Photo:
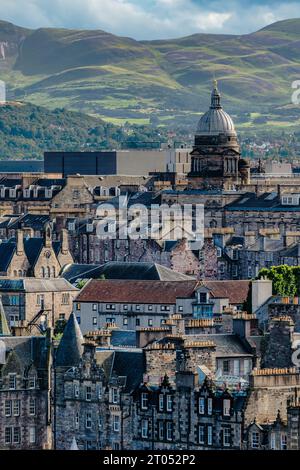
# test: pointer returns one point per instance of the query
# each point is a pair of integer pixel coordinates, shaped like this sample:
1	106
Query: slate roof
70	348
235	291
34	221
226	344
30	349
266	201
7	250
30	284
121	291
122	270
127	364
32	248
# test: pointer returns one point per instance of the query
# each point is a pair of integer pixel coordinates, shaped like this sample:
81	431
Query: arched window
20	273
53	271
42	271
48	270
15	273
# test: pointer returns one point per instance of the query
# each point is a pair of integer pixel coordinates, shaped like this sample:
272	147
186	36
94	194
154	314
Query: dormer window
226	407
12	381
144	401
32	382
26	193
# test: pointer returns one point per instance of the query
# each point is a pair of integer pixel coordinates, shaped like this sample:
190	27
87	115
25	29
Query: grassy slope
122	79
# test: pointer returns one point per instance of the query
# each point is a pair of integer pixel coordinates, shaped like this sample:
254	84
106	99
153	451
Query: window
99	391
144	401
61	317
77	420
88	420
8	407
247	366
161	402
138	307
12	381
150	308
78	320
226	407
255	440
226	367
76	390
236	367
32	435
88	393
145	428
201	406
125	321
65	299
115	395
169	403
169	431
165	308
17	404
203	297
32	406
78	306
95	321
160	430
8	435
40	300
110	307
116	423
95	307
249	271
201	434
226	437
137	322
180	308
209	435
150	322
31	381
100	422
125	307
283	442
17	435
234	271
209	406
273	441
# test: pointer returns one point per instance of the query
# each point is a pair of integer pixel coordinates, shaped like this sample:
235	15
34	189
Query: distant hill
26	131
121	79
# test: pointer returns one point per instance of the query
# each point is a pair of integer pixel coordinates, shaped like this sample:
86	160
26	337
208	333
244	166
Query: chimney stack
20	242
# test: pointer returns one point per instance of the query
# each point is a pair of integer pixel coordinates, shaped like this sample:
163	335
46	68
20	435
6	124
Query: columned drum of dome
216	152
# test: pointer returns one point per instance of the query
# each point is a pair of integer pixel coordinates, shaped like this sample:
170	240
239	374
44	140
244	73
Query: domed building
215	158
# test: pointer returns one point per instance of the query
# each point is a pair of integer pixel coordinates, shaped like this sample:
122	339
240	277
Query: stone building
34	257
215	158
30	304
25	406
94	388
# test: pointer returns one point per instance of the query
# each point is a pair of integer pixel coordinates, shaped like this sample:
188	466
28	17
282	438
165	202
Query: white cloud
148	19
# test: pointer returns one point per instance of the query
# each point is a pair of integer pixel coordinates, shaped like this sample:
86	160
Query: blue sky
150	19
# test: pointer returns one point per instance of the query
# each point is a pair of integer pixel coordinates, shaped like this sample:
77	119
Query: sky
150	19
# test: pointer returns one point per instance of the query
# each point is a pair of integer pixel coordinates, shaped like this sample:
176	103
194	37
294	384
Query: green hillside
26	131
121	79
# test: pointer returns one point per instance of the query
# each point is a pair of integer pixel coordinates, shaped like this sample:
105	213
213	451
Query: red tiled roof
120	291
235	291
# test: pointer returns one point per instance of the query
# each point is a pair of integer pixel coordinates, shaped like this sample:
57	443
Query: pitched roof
122	270
152	292
70	348
7	250
4	328
235	291
30	284
127	364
